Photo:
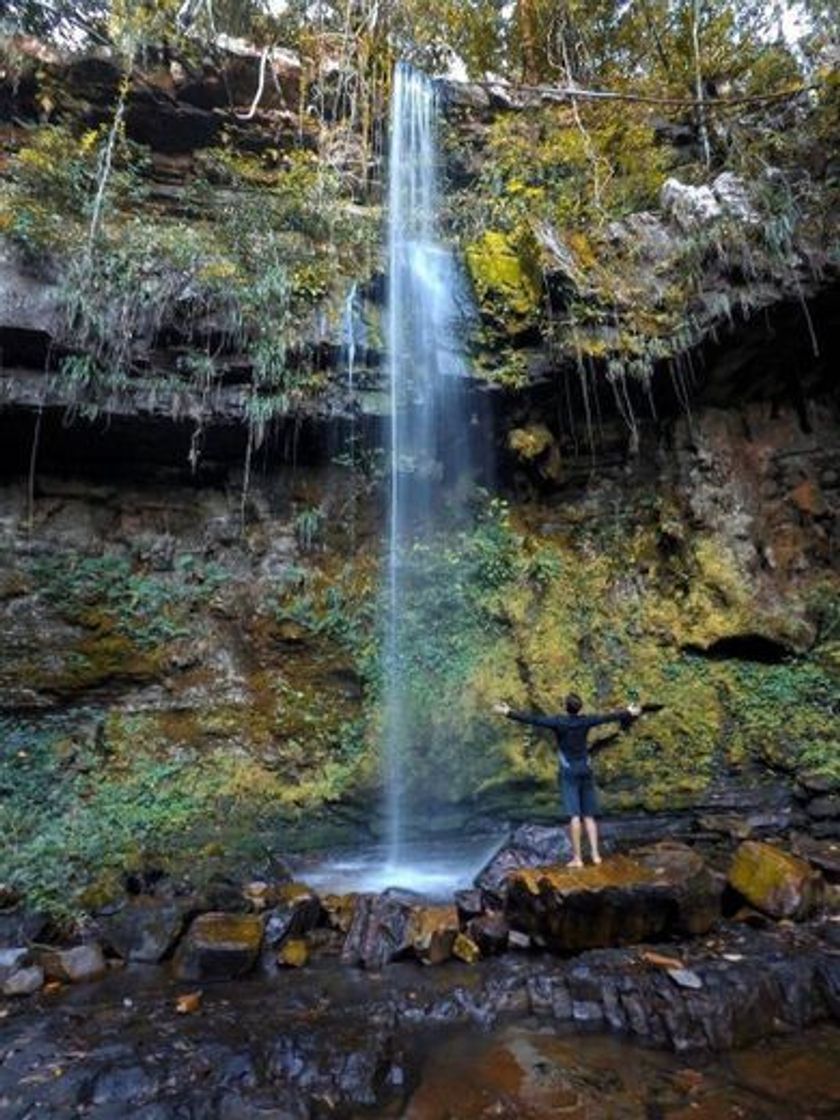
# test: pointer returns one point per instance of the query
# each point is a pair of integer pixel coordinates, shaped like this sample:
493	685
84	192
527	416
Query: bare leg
574	832
592	834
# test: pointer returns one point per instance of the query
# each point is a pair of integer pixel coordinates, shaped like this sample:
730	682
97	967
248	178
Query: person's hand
501	709
635	710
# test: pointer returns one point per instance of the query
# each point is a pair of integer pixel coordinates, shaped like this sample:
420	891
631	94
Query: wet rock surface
77	965
774	881
219	946
145	929
659	893
323	1034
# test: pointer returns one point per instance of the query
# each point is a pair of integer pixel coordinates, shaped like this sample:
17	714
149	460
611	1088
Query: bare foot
575	863
596	860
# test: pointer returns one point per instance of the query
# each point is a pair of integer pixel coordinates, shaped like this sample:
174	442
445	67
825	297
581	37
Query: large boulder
698	890
78	965
145	929
621	902
12	959
297	911
377	932
776	882
19	925
219	946
530	845
397	925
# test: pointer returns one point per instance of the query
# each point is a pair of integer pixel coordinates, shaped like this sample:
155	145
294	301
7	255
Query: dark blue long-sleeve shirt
571	732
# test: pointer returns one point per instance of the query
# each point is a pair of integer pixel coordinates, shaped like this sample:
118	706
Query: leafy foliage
147	607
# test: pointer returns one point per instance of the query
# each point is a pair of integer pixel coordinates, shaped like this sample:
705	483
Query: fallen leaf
188	1003
688	1080
661	961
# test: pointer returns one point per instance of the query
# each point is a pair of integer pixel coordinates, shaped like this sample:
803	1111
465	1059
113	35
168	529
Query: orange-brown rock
808	499
776	882
623	901
73	966
431	932
338	909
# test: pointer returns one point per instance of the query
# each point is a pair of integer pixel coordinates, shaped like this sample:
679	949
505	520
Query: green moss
504	270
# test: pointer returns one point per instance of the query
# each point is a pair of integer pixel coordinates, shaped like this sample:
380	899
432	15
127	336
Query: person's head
573	703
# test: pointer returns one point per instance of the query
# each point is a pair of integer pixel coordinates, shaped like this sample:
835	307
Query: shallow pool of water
433	869
524	1074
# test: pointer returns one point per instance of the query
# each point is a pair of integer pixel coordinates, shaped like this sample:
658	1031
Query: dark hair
573	703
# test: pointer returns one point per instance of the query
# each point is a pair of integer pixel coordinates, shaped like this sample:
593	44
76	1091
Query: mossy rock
219	946
775	882
506	271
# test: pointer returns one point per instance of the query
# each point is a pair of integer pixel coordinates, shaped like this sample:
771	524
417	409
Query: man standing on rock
580	797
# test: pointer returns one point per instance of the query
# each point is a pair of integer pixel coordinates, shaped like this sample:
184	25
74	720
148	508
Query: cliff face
192	500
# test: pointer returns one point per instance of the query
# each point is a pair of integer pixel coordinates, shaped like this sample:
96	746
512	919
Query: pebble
685	978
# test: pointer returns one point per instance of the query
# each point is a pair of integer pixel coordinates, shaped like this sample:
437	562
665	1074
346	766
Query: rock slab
774	881
145	930
219	946
621	902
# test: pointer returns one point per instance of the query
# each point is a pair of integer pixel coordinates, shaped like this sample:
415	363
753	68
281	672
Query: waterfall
349	338
432	462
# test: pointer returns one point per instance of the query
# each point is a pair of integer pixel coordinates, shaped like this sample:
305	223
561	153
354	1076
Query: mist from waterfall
434	463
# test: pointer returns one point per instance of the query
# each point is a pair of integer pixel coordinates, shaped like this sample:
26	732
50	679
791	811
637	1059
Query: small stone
465	949
294	953
685	978
23	981
517	940
259	894
808	499
11	960
8	895
688	1080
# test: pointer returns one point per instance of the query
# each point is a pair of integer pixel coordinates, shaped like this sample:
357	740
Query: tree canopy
649	44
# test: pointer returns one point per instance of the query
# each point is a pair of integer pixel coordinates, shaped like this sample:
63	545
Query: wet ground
409	1042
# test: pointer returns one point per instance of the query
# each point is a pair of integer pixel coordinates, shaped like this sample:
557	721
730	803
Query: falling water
432	461
349	338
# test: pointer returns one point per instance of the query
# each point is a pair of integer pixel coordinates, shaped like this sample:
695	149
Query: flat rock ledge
659	892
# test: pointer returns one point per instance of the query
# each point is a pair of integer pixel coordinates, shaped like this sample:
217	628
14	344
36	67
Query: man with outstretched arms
580	797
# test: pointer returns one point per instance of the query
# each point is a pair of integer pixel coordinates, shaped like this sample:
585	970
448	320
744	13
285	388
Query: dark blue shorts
580	798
